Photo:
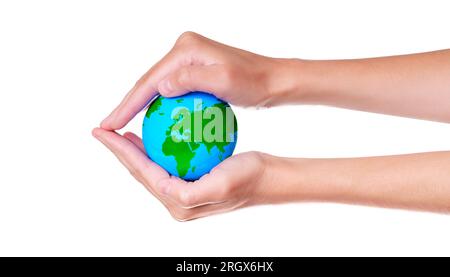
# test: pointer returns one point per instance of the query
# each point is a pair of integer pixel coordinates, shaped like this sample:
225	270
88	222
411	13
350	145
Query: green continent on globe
184	151
225	130
154	107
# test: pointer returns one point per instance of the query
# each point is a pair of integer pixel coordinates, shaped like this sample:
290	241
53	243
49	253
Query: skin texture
415	85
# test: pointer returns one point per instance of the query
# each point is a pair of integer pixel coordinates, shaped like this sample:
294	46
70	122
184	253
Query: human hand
198	63
246	79
383	181
227	187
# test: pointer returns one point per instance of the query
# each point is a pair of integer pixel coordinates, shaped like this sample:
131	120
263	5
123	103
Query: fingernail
97	136
94	133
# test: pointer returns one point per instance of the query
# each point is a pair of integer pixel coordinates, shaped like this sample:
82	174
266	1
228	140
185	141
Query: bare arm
415	181
416	85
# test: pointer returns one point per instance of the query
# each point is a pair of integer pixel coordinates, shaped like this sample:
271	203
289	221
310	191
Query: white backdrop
65	64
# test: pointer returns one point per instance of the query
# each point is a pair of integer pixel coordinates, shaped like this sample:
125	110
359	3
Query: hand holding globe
224	182
188	136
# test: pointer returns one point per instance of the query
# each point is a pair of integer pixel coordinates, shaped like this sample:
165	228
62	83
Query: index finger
143	91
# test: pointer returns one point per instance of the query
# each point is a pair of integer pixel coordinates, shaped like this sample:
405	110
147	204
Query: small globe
189	135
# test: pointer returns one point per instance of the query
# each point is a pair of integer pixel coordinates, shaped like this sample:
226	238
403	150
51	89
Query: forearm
415	181
416	85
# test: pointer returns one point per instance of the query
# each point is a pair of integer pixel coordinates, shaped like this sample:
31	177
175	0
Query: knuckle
186	199
180	216
187	37
227	187
229	74
140	81
216	170
183	77
255	155
258	158
136	172
176	216
143	174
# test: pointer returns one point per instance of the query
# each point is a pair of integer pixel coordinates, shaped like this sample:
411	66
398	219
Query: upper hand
197	63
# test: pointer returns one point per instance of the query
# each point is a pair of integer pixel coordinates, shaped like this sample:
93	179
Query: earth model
189	135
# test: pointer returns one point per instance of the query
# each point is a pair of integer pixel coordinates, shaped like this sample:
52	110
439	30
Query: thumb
208	78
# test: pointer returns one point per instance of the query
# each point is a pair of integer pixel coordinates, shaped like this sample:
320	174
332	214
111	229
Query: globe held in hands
190	134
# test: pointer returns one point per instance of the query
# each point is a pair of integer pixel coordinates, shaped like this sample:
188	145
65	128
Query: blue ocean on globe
190	134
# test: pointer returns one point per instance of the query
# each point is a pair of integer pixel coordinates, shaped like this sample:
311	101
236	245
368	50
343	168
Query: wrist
301	179
326	82
294	81
282	80
281	181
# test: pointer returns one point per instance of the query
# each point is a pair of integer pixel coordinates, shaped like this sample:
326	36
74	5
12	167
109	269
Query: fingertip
115	126
129	134
114	121
102	135
107	124
96	132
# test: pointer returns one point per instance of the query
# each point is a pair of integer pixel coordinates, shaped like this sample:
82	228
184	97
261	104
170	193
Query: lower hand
228	186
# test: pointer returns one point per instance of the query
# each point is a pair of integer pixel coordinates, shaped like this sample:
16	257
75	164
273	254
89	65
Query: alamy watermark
213	131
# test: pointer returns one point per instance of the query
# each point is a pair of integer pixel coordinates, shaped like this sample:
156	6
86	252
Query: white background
65	64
